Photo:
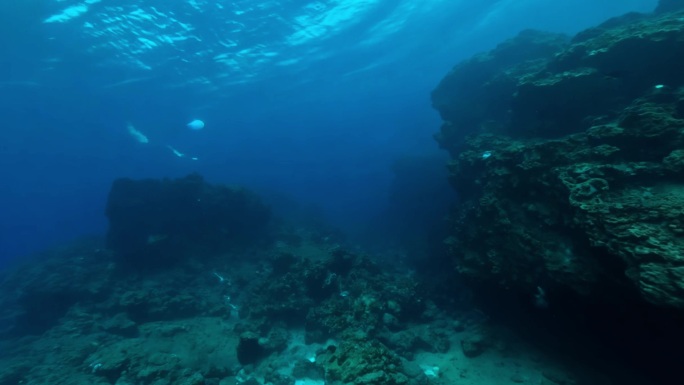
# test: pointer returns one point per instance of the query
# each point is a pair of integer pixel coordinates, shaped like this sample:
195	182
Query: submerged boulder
153	223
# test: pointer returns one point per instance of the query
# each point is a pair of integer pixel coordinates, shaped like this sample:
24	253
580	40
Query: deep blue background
325	133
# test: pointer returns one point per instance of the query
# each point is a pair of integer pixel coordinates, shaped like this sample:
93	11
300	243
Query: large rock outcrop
153	223
569	160
669	6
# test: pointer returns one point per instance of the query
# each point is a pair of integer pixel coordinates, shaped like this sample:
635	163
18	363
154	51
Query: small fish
176	152
137	135
196	125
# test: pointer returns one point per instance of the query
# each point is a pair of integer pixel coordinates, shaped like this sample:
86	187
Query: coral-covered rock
479	91
159	302
550	88
426	338
36	295
578	185
364	362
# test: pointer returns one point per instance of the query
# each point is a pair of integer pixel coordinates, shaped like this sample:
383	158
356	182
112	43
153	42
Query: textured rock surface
73	317
478	92
570	169
362	362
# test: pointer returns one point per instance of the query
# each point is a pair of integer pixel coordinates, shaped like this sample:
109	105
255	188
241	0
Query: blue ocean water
313	99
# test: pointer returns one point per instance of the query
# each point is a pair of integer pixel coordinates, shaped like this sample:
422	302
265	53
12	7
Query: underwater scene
342	192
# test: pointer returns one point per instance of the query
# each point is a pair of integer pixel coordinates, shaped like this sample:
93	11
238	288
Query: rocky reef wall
568	155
